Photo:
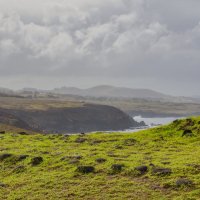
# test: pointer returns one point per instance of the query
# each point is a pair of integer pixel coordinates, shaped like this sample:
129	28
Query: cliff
86	118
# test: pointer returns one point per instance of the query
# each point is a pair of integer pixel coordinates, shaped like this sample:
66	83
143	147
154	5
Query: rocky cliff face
10	119
86	118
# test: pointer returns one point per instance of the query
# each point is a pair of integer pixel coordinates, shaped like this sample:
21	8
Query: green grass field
102	166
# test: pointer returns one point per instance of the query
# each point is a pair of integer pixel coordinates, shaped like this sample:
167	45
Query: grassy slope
127	105
36	104
170	108
58	179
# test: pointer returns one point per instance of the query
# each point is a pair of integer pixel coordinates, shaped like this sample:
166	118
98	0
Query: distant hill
6	91
101	91
111	91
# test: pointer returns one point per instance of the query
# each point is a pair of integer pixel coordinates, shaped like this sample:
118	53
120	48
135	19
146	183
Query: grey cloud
134	40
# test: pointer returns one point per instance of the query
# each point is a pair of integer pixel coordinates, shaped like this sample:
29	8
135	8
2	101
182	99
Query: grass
127	105
56	177
36	104
148	106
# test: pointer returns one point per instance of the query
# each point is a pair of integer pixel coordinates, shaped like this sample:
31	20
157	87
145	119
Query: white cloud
7	48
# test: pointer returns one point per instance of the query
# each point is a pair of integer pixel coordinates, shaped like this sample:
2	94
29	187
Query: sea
150	123
155	121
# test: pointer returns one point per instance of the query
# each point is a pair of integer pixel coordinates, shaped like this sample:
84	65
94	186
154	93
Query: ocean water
155	121
150	122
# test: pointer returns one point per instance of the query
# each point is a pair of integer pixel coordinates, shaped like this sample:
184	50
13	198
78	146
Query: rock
66	135
176	122
2	132
22	157
100	160
80	140
78	157
187	124
23	133
117	167
85	169
142	123
5	156
142	169
190	122
187	133
36	161
184	182
3	185
161	171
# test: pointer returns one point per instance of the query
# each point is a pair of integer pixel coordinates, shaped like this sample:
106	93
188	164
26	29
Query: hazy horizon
85	88
150	44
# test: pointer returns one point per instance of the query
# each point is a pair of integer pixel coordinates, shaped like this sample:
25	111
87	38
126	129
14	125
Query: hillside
143	102
54	116
148	108
111	91
160	163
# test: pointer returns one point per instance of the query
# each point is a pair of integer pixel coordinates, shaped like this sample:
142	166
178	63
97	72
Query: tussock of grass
104	166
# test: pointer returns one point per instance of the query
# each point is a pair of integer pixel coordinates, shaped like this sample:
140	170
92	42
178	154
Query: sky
152	44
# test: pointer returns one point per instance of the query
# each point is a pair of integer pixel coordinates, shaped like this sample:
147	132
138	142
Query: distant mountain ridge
105	91
6	91
111	91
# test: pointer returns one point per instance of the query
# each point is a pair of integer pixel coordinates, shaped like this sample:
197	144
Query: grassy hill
161	163
111	91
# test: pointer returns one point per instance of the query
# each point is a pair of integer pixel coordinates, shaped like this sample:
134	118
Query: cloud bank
136	43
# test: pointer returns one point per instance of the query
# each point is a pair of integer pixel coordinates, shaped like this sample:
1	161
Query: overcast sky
151	44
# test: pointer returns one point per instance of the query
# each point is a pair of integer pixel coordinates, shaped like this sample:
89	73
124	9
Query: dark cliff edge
87	118
9	119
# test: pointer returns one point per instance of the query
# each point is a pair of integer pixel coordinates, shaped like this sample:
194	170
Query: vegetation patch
161	171
142	169
153	164
183	182
5	156
85	169
117	168
36	161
